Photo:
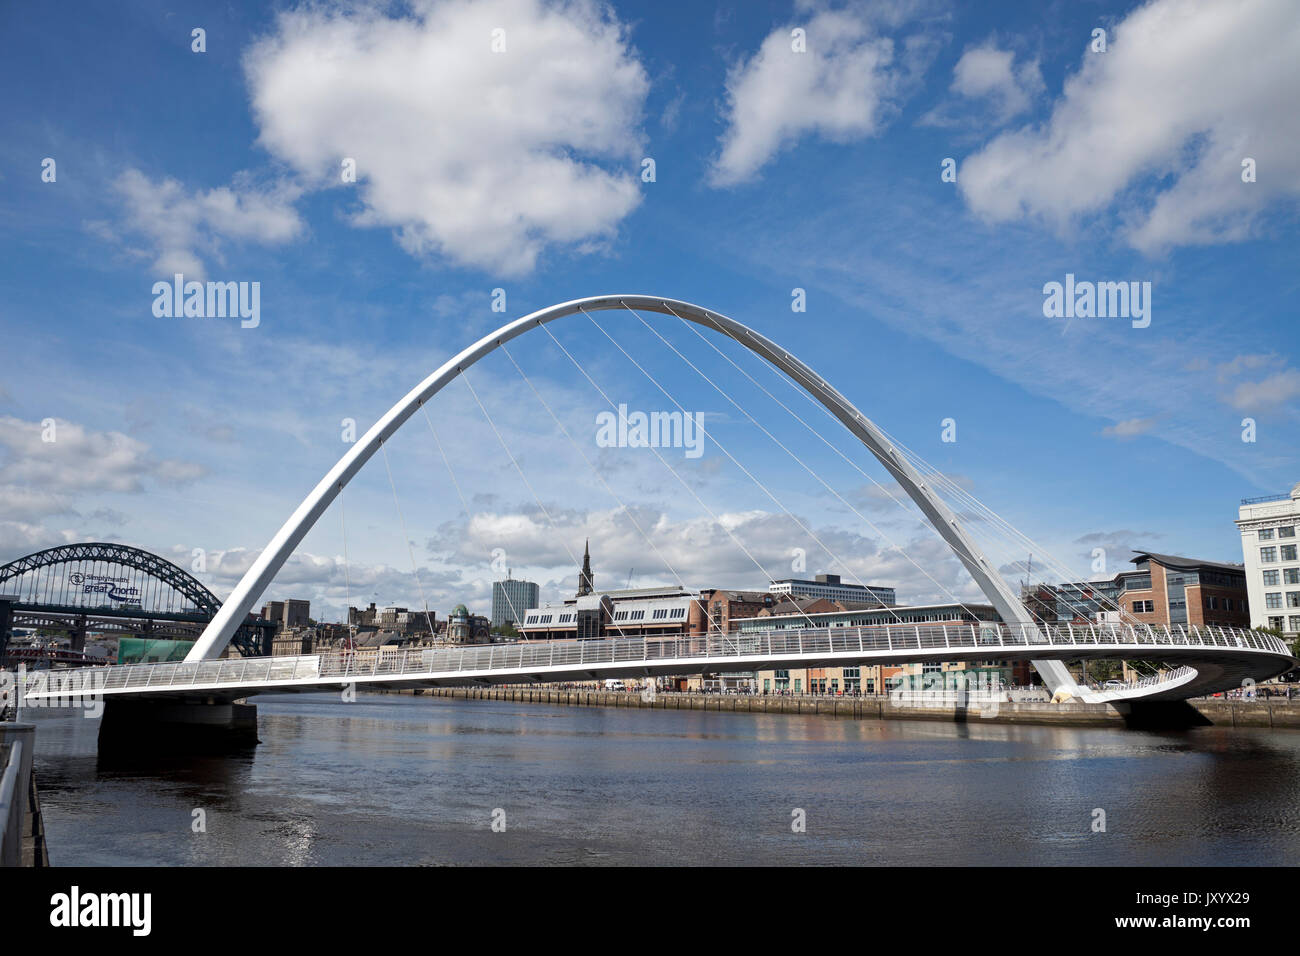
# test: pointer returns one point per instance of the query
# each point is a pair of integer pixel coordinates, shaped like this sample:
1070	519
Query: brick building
1165	589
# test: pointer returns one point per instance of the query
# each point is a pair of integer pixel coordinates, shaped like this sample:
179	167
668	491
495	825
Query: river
396	779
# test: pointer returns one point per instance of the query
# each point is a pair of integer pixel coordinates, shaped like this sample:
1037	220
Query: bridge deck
1212	659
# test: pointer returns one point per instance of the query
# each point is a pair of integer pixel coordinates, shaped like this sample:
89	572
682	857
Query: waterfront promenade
1277	713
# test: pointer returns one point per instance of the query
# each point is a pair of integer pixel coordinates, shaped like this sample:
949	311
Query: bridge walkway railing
763	645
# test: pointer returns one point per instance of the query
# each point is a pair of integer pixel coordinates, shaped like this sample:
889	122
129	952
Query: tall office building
1269	545
296	612
510	599
290	613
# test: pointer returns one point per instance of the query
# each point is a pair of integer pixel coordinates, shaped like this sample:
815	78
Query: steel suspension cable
596	471
347	581
1010	531
821	389
537	498
673	471
383	447
797	459
762	487
469	515
834	448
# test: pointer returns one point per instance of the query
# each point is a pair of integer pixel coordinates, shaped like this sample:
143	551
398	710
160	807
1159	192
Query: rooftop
899	609
1183	564
834	581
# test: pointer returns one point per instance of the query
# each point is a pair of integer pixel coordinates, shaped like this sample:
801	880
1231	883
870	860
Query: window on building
1293	598
1214	603
1143	607
1286	532
1291	575
1270	579
1265	534
1272	599
1275	623
1268	555
1295	623
1288	552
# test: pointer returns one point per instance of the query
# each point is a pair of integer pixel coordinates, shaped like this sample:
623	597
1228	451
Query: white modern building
1270	547
830	587
668	611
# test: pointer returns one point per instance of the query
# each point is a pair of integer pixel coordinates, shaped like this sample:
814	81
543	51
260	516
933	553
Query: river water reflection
416	780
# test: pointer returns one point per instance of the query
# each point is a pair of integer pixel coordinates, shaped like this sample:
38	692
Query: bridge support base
1162	715
176	727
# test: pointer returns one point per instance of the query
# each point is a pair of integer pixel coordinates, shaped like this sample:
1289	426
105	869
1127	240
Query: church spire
585	577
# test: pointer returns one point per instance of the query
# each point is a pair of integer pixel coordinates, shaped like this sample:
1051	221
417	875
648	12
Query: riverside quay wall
1282	714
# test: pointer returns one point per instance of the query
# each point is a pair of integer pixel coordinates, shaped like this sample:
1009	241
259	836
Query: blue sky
775	169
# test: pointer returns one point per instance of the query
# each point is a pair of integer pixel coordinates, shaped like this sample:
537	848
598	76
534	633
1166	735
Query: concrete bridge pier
172	726
1161	715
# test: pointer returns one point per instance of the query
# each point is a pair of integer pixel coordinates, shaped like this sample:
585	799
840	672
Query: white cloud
331	584
1226	371
484	158
19	538
80	459
843	88
20	502
1266	394
1117	548
1185	92
990	74
1129	428
184	227
701	550
1280	383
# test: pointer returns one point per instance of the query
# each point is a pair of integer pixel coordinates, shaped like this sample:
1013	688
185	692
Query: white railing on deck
750	647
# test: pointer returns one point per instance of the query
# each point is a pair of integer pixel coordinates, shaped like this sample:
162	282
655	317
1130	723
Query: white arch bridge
1206	658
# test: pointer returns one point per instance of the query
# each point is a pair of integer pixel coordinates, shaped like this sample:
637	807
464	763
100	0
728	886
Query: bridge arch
203	601
258	577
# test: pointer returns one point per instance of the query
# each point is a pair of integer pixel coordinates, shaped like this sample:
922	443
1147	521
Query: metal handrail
759	645
13	794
